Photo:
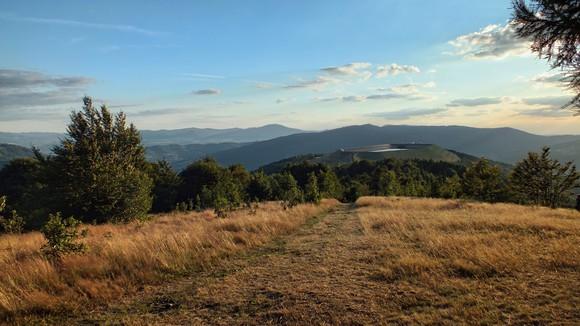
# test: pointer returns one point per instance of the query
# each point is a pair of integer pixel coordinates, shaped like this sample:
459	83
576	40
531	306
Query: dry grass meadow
381	261
121	259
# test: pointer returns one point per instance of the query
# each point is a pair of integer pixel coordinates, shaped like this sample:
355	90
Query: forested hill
499	144
8	152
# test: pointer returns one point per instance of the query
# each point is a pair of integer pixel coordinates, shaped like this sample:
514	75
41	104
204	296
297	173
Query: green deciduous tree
165	186
98	171
483	181
541	180
286	190
259	187
311	192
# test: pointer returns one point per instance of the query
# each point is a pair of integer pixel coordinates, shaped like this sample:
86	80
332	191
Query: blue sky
306	64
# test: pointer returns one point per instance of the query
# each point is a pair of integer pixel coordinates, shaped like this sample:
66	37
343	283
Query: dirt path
317	275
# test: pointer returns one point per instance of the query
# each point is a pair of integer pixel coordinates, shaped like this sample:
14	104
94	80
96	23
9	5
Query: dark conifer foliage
554	28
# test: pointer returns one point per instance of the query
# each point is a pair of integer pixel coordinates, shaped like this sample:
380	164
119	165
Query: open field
383	261
123	258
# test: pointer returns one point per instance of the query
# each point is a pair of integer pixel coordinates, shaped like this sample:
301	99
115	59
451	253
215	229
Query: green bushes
9	223
62	236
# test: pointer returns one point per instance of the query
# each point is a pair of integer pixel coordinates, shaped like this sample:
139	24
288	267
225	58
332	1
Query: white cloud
395	69
491	42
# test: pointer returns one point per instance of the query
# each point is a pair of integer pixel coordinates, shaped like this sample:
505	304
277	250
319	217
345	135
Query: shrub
62	236
12	223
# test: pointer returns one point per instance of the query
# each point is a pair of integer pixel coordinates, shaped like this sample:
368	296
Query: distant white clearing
388	150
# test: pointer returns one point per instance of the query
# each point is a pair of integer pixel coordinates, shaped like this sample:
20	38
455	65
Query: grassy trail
389	261
316	275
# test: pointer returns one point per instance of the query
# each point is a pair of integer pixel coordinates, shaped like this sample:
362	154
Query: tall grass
477	239
122	258
473	257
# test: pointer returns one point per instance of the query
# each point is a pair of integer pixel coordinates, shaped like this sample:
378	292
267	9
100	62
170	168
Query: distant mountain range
499	144
46	140
256	147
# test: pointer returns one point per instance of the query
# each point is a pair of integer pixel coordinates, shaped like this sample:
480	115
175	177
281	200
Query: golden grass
476	261
123	258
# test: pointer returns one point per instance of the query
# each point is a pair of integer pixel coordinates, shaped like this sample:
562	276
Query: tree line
99	174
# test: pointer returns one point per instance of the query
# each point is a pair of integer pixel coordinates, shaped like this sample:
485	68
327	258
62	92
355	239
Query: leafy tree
311	193
541	180
165	186
554	28
287	190
203	173
62	236
386	182
353	191
451	187
329	185
259	187
483	181
98	171
21	180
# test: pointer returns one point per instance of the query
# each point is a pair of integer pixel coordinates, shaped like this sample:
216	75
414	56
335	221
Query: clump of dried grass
122	258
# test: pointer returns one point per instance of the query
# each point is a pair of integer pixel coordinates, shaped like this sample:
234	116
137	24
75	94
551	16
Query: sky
306	64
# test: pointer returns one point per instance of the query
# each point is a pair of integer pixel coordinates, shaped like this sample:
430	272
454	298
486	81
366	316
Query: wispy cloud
548	101
208	91
314	84
491	42
199	76
471	102
21	88
66	22
405	113
374	97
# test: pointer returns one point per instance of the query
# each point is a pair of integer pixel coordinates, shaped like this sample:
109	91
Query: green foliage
9	224
62	236
287	190
451	187
311	192
329	185
541	180
165	186
259	187
353	191
98	171
385	182
22	181
483	181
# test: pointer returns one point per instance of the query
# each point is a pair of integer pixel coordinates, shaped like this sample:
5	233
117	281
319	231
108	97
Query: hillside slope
499	144
8	152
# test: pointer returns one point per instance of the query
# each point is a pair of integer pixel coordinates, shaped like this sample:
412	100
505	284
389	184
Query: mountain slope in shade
499	144
46	140
8	152
179	156
207	136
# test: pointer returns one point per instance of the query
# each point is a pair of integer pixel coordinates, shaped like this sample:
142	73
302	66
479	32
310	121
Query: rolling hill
179	156
8	152
381	152
499	144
